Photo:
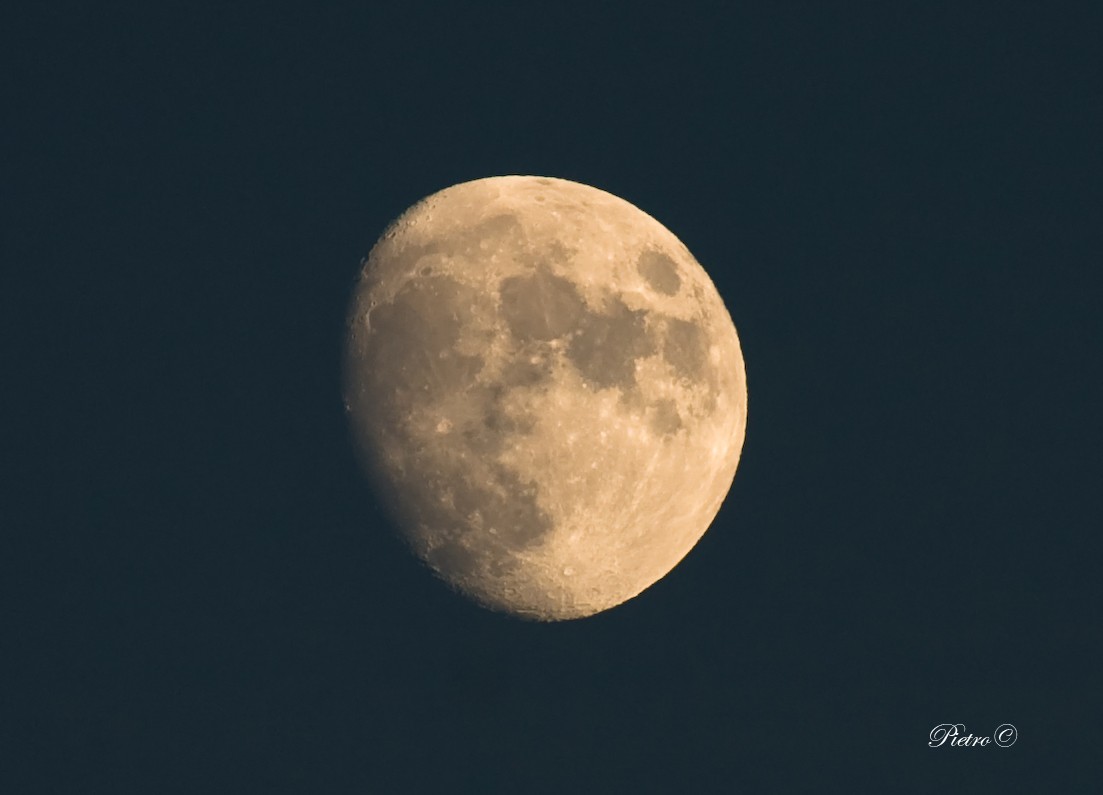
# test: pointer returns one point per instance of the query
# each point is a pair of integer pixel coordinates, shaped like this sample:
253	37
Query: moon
546	390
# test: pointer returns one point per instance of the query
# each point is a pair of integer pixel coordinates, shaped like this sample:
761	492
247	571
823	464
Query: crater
607	345
659	271
542	306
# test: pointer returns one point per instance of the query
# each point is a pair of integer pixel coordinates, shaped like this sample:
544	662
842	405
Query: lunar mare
547	390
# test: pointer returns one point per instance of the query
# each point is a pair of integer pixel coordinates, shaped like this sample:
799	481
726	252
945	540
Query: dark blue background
900	204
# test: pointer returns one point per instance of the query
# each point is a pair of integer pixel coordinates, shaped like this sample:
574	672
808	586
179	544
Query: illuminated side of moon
547	390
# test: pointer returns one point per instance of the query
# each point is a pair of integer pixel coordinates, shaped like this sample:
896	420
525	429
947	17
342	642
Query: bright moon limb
547	390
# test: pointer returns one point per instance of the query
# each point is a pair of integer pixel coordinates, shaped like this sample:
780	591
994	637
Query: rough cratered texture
548	392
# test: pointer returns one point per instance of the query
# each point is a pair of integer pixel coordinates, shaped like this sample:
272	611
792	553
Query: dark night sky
901	206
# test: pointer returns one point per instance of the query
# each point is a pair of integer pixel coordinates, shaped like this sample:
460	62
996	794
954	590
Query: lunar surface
547	391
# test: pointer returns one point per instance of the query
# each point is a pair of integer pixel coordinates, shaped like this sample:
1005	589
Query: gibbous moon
547	391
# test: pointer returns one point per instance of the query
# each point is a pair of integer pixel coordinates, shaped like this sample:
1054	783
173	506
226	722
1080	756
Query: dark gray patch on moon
512	512
665	419
530	366
659	271
542	306
488	426
411	356
464	522
452	556
487	522
508	516
685	347
606	346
